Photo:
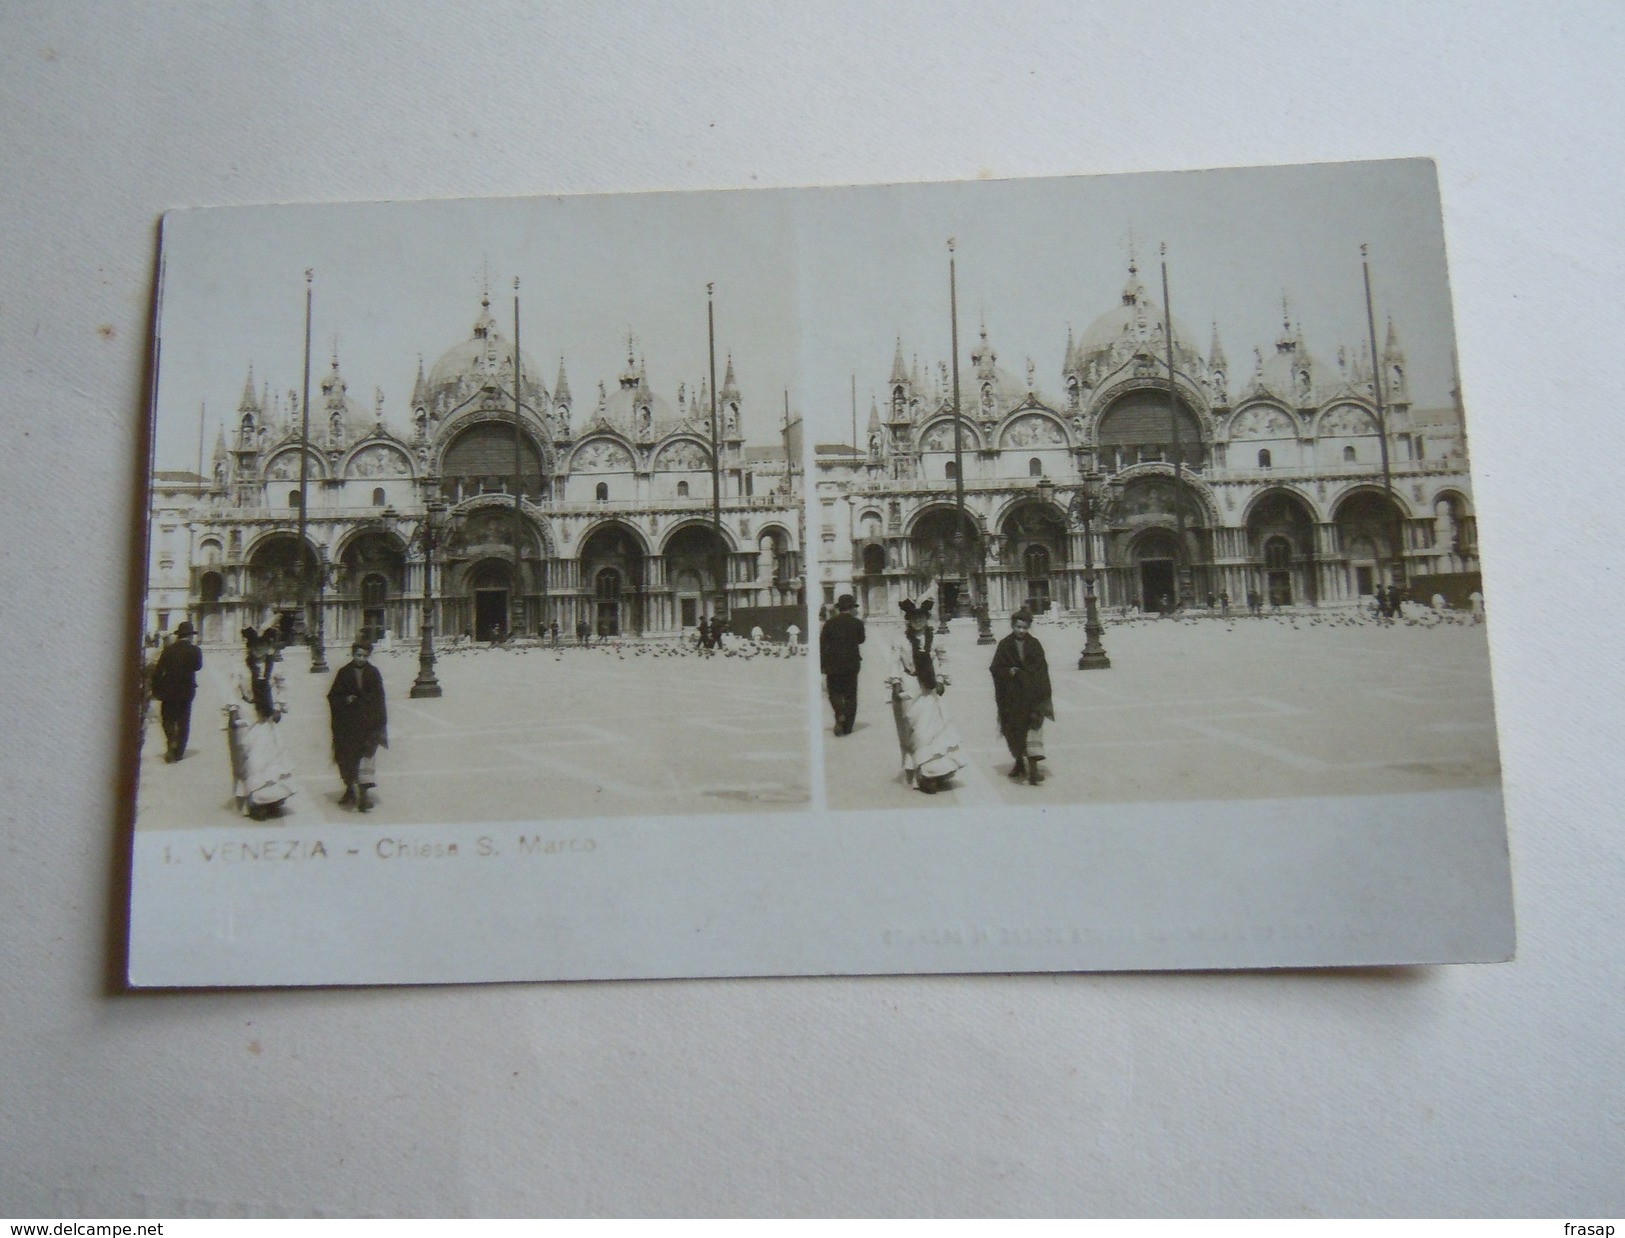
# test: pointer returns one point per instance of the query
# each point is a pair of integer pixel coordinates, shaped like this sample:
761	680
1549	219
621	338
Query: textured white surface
1458	1090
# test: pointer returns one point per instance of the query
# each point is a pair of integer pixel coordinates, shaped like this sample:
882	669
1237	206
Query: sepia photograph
1003	575
473	512
1146	488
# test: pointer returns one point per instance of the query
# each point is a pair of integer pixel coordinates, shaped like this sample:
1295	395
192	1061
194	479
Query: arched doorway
694	557
372	583
1156	557
479	539
490	583
281	583
946	553
1370	528
606	591
1035	535
612	578
1281	541
1146	526
1278	571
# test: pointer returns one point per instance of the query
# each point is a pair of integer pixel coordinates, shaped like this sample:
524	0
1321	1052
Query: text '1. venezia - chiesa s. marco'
536	510
1274	480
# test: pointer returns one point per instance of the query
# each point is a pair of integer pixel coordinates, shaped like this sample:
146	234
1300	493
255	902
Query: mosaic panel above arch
1033	430
601	456
284	466
379	460
683	456
1262	423
1347	419
940	437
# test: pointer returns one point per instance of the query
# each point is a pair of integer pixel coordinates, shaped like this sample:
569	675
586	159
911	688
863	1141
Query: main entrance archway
490	584
946	551
1156	556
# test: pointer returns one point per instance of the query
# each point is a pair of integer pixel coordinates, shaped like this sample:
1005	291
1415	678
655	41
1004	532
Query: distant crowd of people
262	776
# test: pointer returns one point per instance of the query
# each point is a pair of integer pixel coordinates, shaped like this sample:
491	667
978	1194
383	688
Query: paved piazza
1204	708
520	734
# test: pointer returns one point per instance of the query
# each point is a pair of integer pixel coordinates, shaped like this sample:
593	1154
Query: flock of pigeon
620	648
1411	615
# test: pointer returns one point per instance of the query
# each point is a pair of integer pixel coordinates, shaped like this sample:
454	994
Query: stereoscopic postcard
1069	574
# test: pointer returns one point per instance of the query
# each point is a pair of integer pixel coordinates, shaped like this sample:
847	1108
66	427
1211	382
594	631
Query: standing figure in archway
360	724
917	680
262	775
1021	692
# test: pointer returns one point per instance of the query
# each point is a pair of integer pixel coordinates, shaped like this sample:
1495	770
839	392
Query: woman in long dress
917	679
262	776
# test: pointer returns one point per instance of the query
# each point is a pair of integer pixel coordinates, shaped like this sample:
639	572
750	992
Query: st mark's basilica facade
598	512
1279	489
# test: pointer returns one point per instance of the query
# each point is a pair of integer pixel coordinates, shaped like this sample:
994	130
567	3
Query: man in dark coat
839	660
360	724
174	686
1021	690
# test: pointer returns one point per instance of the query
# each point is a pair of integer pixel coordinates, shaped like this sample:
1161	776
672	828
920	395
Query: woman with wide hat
917	679
261	773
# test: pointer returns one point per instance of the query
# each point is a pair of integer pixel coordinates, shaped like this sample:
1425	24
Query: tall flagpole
318	655
1173	423
785	433
965	544
716	459
515	619
1398	549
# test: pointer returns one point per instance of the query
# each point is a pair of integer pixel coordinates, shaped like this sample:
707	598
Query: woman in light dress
917	679
261	774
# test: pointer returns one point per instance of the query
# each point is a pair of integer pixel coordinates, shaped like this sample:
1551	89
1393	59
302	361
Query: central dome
484	359
1137	320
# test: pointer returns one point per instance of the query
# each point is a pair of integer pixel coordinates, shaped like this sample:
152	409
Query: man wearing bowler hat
839	660
174	687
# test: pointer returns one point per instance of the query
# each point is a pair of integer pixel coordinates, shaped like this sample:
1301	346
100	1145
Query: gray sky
812	286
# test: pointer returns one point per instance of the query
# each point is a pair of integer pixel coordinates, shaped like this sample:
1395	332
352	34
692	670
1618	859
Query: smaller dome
622	404
356	420
1293	373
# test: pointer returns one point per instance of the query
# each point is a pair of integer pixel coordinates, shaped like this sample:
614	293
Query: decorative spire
984	357
220	443
420	389
1285	342
333	386
730	388
874	415
1215	351
1391	351
561	387
250	403
898	373
1071	362
629	376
